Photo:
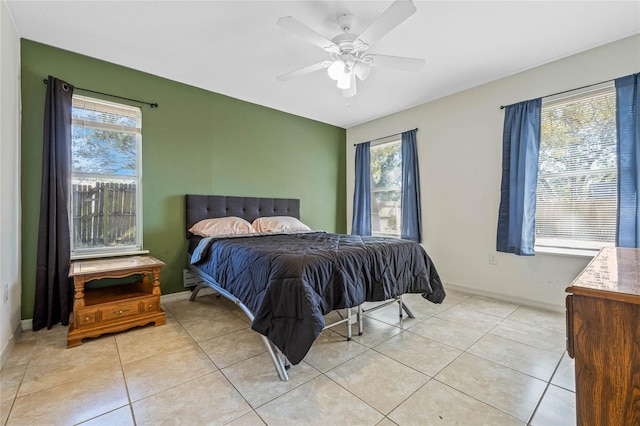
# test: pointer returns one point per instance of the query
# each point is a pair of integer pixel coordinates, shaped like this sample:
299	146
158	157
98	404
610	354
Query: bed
287	282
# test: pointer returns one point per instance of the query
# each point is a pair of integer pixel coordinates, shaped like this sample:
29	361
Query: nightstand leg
156	282
78	297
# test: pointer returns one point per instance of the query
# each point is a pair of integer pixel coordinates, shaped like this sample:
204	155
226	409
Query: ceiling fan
348	52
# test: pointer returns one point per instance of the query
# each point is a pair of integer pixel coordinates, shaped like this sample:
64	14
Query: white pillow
222	226
279	224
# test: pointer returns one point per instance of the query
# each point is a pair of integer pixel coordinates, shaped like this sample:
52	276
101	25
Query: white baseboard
27	324
173	297
182	295
6	351
506	298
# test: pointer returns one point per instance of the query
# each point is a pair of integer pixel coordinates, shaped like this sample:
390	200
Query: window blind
576	196
106	112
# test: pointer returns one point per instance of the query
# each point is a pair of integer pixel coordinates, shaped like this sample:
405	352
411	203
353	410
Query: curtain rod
384	137
151	104
570	90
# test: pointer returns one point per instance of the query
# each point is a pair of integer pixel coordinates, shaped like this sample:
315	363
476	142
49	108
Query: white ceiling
237	49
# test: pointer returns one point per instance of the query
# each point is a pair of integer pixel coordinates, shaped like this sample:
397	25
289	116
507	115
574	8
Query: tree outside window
386	188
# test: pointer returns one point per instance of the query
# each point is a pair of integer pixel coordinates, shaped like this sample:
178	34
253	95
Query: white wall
9	181
460	153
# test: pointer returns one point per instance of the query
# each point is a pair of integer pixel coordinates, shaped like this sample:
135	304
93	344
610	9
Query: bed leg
406	309
399	299
348	324
196	290
277	361
360	321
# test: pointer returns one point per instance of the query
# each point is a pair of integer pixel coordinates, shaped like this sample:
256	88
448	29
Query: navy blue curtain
520	152
54	293
628	128
411	226
361	224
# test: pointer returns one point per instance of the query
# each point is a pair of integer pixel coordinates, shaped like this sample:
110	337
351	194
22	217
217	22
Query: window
105	178
386	188
576	195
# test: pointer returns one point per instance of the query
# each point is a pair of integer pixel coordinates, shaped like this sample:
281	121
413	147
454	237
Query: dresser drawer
119	310
149	305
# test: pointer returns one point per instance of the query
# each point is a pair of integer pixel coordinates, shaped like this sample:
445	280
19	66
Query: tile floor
470	361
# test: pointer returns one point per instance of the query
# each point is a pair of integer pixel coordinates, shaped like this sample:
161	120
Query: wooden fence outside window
104	214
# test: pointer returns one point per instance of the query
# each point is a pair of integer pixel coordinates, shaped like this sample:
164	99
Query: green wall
195	142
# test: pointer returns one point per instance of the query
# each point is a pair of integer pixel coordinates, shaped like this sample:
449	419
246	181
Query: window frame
104	251
584	93
391	140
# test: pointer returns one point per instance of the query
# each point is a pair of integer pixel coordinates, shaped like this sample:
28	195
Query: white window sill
111	254
561	251
384	234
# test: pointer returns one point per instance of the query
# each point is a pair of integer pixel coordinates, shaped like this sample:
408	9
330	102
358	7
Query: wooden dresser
603	337
114	308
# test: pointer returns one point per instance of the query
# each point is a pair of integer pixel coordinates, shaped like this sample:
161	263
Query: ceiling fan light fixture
336	70
344	82
361	70
351	91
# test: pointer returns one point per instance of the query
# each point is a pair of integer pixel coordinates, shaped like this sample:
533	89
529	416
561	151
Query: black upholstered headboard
201	207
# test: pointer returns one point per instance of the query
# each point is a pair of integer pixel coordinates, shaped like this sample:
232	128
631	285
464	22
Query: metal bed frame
280	361
276	356
199	207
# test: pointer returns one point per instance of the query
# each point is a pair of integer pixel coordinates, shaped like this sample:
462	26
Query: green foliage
386	172
577	153
103	152
103	143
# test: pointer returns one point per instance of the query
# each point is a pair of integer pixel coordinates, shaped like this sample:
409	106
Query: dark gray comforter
289	281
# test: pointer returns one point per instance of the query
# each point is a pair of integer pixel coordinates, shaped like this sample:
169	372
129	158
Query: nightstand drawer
86	317
119	310
149	305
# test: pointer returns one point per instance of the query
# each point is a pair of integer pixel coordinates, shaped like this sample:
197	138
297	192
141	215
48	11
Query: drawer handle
121	311
150	305
86	318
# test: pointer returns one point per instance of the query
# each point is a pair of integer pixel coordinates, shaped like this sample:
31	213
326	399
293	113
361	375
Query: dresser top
614	273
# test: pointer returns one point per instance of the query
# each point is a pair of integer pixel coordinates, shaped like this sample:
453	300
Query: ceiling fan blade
303	71
390	18
395	62
297	27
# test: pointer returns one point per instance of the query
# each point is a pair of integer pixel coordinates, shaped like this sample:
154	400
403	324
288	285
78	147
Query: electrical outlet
5	292
492	259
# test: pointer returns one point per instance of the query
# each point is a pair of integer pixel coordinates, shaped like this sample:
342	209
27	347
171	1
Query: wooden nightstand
114	308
